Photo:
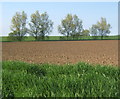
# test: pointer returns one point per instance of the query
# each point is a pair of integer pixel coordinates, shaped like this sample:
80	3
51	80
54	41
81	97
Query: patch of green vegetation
57	38
4	38
46	80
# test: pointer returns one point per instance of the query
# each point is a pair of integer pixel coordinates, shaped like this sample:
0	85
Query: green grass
46	80
4	38
29	38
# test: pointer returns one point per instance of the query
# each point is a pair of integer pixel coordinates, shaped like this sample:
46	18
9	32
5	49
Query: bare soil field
62	52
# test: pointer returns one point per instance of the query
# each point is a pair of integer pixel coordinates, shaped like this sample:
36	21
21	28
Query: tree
85	33
78	27
18	26
94	31
71	26
40	25
12	36
103	27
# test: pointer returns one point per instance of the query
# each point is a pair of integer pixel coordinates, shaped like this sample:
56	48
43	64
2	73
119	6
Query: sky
88	12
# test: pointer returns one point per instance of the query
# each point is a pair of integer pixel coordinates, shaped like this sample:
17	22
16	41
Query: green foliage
46	80
36	71
94	32
102	28
85	32
71	26
40	25
59	38
18	26
14	37
62	38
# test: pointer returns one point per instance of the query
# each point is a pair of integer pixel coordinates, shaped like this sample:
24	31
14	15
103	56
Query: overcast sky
88	12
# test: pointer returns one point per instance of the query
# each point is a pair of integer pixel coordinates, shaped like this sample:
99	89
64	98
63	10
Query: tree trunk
67	37
101	34
36	38
73	37
43	37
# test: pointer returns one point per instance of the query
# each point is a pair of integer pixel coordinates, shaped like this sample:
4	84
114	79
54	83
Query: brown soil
62	52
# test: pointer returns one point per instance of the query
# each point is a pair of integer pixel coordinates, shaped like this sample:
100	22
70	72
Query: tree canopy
18	26
40	25
71	26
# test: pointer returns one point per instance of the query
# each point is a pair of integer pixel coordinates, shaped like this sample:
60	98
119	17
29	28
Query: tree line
40	26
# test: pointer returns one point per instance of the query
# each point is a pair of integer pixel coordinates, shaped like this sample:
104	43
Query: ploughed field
62	52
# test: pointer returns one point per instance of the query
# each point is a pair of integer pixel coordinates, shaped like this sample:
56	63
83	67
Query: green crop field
47	80
29	38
